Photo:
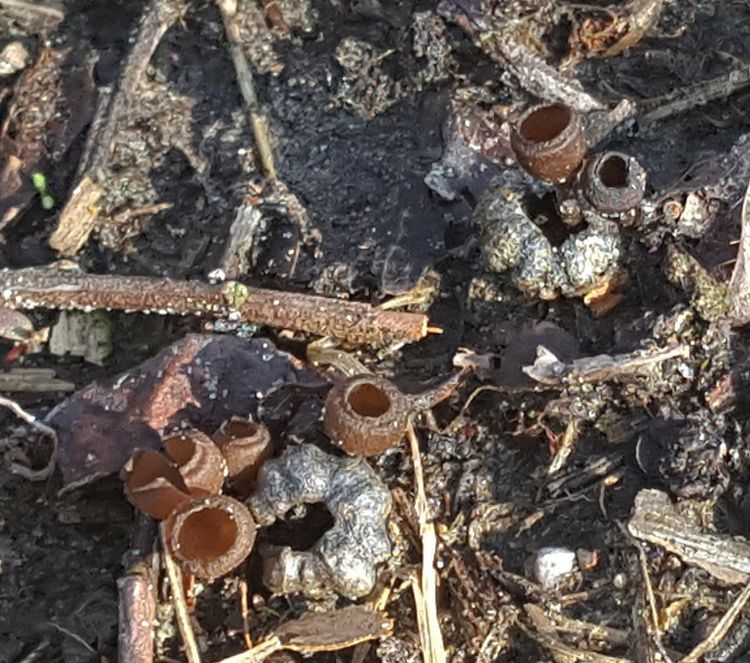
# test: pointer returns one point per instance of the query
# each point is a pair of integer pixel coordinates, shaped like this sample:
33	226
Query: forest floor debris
554	196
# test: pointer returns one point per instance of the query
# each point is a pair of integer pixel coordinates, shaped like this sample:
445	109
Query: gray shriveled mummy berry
345	558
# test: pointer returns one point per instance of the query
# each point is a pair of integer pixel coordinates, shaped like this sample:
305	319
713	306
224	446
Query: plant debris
291	219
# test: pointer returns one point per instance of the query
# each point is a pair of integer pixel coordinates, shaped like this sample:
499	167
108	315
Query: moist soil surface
359	101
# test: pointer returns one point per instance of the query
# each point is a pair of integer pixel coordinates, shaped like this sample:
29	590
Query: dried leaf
202	380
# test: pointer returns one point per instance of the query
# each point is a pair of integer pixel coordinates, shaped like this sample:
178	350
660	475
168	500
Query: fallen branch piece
70	289
319	632
33	380
137	598
656	520
73	230
548	369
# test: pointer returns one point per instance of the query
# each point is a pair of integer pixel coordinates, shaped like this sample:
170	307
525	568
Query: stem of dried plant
245	79
174	575
425	592
720	629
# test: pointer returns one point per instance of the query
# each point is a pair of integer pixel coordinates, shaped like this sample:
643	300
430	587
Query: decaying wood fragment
548	369
33	380
73	230
656	520
73	290
137	596
243	234
78	218
532	72
321	632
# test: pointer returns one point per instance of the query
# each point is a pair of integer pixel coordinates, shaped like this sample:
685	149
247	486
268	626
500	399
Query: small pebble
13	58
552	565
620	581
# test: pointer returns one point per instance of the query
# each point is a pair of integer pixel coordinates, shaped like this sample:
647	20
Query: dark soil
354	142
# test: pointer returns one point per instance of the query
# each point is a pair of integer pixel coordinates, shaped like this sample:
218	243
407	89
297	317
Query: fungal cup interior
613	172
207	534
367	400
180	448
546	123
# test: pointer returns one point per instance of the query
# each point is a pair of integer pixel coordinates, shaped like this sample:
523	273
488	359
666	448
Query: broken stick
354	322
78	218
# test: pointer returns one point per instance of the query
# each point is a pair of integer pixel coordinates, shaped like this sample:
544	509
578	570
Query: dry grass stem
178	600
246	82
425	593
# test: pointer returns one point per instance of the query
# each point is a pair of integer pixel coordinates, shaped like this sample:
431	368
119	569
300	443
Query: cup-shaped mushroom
614	182
366	414
153	484
198	459
548	141
246	445
209	536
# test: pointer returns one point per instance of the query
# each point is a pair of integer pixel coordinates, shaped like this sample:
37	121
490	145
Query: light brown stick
350	321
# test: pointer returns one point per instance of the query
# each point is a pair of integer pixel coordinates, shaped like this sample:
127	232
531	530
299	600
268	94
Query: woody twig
354	322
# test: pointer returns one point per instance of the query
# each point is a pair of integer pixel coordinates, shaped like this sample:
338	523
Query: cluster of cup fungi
209	533
594	195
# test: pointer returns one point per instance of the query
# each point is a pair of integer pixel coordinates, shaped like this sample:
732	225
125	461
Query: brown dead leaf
201	380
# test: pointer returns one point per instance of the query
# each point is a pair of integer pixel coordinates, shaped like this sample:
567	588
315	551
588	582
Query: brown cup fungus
198	459
614	182
246	445
153	484
209	536
548	142
366	415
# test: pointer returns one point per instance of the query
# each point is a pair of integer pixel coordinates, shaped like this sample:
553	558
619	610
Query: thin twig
73	636
425	595
27	473
720	629
73	230
72	290
178	600
245	611
136	591
693	96
246	82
